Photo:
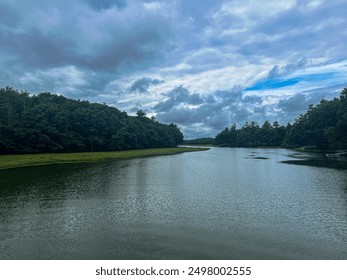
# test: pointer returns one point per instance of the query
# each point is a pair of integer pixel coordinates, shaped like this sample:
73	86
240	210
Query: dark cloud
7	15
94	40
36	49
280	71
178	96
182	95
296	103
242	115
259	110
218	121
229	97
142	85
299	30
106	4
299	102
252	99
183	116
130	48
123	51
214	111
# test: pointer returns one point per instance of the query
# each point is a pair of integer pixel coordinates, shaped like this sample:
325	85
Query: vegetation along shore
25	160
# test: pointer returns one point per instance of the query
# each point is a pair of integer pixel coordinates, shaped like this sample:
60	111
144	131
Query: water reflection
220	204
321	162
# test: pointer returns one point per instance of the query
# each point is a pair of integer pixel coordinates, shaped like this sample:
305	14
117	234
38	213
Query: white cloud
153	5
65	80
311	5
324	67
224	78
176	68
253	10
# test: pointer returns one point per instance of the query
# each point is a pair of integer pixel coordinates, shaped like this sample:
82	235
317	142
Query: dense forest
323	126
53	123
252	135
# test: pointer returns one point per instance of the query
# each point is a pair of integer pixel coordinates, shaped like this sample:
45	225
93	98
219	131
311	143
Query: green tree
53	123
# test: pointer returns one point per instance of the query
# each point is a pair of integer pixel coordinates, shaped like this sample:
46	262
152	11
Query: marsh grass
14	161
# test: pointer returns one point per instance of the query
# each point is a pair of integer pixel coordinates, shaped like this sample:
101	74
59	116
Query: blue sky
200	64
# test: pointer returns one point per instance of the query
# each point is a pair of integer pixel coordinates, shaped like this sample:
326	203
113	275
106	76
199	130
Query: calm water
220	204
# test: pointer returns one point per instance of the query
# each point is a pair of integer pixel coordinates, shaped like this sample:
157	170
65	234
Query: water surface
225	203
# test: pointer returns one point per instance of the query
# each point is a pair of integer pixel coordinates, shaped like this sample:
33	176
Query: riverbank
15	161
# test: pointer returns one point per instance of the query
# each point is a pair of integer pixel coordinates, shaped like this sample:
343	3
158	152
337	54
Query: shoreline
28	160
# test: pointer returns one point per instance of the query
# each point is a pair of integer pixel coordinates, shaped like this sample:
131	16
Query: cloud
282	83
201	64
220	109
297	103
213	112
98	38
284	30
284	70
142	85
251	10
176	97
106	4
297	31
37	50
103	41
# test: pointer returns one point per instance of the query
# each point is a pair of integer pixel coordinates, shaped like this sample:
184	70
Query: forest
252	135
53	123
322	127
49	122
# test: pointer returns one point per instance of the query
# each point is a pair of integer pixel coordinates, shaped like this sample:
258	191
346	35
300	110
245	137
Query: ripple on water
220	204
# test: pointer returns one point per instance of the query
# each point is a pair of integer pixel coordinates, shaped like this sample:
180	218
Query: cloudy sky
202	64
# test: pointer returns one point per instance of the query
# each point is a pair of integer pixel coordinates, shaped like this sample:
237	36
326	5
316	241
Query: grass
14	161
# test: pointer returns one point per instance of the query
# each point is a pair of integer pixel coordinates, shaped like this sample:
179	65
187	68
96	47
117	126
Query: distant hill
200	141
53	123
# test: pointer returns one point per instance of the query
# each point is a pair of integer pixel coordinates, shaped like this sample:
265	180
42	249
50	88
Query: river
225	203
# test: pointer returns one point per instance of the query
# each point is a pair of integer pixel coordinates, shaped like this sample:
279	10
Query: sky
201	64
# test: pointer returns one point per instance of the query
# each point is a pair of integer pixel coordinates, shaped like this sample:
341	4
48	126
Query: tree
53	123
141	114
251	135
323	126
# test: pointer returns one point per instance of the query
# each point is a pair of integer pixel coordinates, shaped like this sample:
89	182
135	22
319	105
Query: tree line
323	126
199	141
53	123
252	135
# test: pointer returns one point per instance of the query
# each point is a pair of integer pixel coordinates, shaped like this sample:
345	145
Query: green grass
14	161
